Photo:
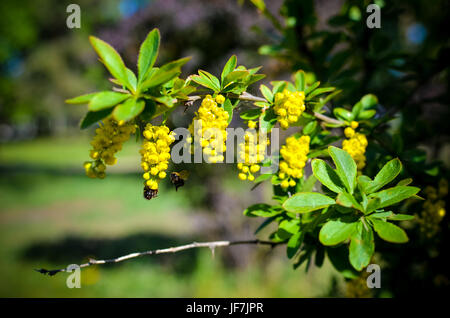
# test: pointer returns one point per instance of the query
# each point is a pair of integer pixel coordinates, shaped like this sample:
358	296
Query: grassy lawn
51	215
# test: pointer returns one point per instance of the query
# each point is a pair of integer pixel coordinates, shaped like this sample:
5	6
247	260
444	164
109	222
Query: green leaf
345	167
262	177
336	231
93	117
300	82
148	54
164	74
343	114
306	202
310	127
213	80
401	217
131	79
205	82
106	100
311	88
287	228
372	204
369	101
82	99
229	67
362	247
363	182
356	110
366	114
405	182
233	76
393	195
389	232
388	173
251	114
320	91
267	93
228	107
327	176
294	244
128	109
111	59
261	209
381	215
309	184
348	201
278	86
267	120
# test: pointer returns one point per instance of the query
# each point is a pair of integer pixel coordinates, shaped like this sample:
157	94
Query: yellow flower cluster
356	145
433	209
251	153
294	155
213	134
155	154
108	140
288	107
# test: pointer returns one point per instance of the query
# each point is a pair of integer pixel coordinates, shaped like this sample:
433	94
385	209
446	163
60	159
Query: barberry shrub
335	211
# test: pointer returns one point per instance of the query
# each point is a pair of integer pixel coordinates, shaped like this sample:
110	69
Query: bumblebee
178	178
149	193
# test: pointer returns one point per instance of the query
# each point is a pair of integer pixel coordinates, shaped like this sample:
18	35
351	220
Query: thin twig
327	119
211	245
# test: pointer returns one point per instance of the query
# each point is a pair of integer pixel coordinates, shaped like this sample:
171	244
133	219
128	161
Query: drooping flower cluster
433	209
251	153
288	107
213	121
155	154
108	140
294	154
355	145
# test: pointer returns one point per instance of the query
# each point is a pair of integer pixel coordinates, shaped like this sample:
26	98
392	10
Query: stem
211	245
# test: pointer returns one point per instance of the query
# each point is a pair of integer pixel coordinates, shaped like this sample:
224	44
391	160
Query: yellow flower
294	154
213	120
288	107
356	146
349	132
109	137
251	124
251	154
354	124
155	153
220	99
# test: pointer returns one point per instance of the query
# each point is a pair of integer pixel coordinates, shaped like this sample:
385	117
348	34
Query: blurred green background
52	215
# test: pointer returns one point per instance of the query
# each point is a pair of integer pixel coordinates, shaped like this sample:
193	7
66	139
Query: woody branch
176	249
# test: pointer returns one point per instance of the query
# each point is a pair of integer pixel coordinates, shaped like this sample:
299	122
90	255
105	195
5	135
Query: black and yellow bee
178	178
149	193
